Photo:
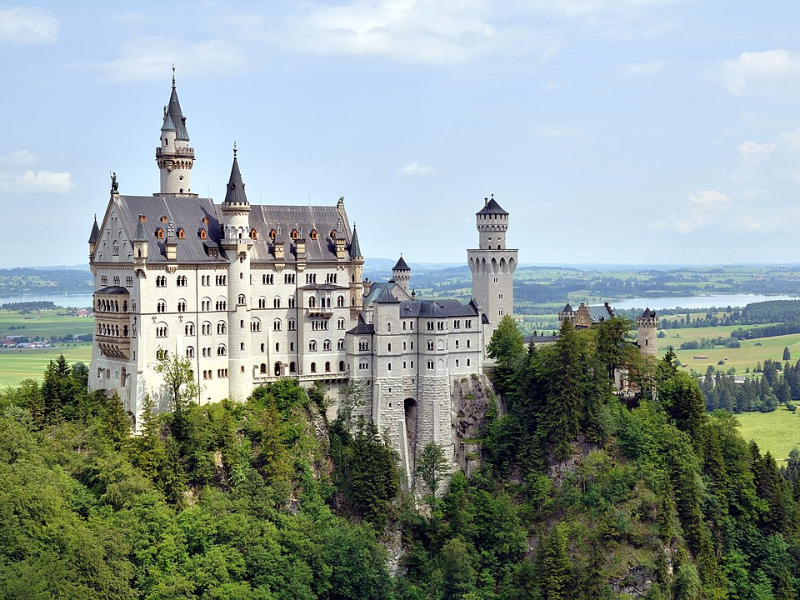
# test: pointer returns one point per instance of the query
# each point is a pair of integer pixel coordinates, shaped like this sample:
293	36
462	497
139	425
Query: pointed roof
492	208
141	234
168	125
401	265
648	314
235	193
567	308
355	249
176	114
95	232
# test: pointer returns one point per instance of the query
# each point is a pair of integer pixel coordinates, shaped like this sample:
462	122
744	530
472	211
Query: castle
252	293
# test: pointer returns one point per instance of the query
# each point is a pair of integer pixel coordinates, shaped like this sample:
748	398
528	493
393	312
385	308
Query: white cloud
754	151
426	31
151	59
703	206
415	169
760	71
36	182
589	8
19	158
645	68
28	25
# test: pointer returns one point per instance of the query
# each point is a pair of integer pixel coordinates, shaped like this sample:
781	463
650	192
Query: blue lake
696	302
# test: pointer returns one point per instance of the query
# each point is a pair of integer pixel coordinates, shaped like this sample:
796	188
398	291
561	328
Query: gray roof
648	314
168	125
599	313
141	234
305	219
175	112
113	289
436	309
362	328
186	212
376	289
401	265
385	297
567	308
492	208
235	193
355	249
95	232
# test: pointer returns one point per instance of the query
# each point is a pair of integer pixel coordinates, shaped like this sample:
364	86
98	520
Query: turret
140	248
401	274
358	288
237	243
93	237
647	327
174	156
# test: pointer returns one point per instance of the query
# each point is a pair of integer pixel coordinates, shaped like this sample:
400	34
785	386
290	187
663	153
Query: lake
696	302
66	300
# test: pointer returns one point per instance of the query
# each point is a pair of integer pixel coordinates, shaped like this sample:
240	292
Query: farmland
776	432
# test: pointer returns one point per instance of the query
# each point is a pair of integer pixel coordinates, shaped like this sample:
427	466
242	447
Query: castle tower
140	249
93	237
357	290
401	274
647	326
493	265
174	156
236	242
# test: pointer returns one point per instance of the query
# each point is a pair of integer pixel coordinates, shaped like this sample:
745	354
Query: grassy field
777	431
17	365
751	353
44	323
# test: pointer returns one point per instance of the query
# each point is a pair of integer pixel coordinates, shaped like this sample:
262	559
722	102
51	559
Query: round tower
401	274
174	156
492	265
236	242
647	326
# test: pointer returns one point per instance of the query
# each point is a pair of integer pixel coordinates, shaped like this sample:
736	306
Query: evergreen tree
786	354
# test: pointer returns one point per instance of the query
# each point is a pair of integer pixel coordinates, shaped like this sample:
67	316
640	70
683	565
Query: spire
141	234
175	112
355	249
401	265
95	232
168	125
235	193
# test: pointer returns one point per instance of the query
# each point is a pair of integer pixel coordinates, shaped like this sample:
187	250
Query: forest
582	494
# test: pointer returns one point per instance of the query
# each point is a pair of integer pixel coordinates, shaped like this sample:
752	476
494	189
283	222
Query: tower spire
175	158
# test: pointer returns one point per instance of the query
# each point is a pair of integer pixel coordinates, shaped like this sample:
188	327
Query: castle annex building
251	293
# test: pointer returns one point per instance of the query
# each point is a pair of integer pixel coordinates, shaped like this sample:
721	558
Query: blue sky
624	131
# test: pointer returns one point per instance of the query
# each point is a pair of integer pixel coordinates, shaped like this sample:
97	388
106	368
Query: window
188	329
161	281
262	347
340	345
430	344
268	279
326	345
222	327
205	304
341	365
468	344
340	324
289	278
115	248
314	234
429	325
313	367
389	367
276	303
468	323
255	325
389	327
440	325
181	305
277	347
189	352
456	362
363	365
116	279
312	302
104	280
161	354
292	367
205	280
241	346
222	279
276	325
206	328
241	300
129	281
457	324
312	346
363	345
161	306
291	301
311	278
182	281
327	367
222	350
292	325
468	362
262	302
430	365
222	305
389	347
161	330
404	345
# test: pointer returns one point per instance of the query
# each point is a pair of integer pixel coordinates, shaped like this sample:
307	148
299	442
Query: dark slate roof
355	249
95	232
113	289
401	265
325	287
386	297
264	218
599	313
235	193
567	308
168	125
175	112
185	212
141	233
648	314
541	339
492	208
362	328
436	309
376	289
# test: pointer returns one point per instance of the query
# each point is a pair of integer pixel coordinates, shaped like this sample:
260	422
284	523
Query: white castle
254	293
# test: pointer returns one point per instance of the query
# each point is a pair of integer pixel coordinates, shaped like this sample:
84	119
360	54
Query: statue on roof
114	182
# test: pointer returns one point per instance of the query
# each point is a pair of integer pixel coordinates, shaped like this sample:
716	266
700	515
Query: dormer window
160	233
205	220
333	234
295	234
164	218
313	234
273	234
202	234
181	233
253	234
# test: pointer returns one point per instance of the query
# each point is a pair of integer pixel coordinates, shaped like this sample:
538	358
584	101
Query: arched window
222	327
292	367
206	328
313	367
327	367
340	324
253	234
161	306
263	368
188	329
340	345
292	325
312	302
181	233
160	233
341	365
340	301
273	234
276	302
189	352
242	300
255	325
312	346
313	234
222	350
326	345
181	305
276	325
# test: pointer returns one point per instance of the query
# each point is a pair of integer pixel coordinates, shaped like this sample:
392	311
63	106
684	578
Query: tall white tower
493	265
647	327
174	156
237	243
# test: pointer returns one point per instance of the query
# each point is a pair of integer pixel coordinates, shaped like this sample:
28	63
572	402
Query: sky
619	131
